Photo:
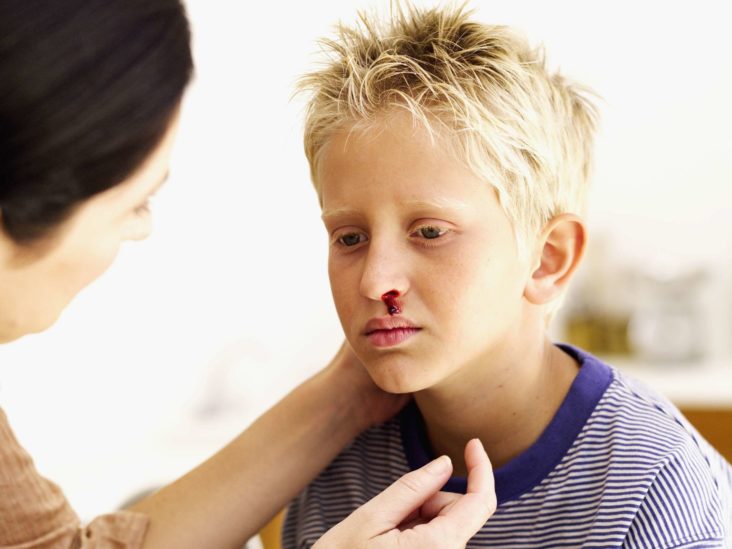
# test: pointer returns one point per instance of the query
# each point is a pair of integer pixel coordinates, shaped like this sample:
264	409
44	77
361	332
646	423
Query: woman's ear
561	247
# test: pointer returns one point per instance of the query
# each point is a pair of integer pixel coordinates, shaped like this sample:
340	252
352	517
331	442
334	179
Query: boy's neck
507	401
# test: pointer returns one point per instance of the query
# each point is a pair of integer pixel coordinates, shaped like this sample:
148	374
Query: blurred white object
668	321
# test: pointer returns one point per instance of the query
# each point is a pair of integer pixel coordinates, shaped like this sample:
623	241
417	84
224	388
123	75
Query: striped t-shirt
617	466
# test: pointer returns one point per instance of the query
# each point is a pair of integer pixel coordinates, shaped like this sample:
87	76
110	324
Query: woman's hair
88	88
525	131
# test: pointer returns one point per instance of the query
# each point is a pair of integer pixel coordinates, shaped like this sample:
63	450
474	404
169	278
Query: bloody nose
390	300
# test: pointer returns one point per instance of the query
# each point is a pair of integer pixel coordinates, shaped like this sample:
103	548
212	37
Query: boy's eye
429	232
351	239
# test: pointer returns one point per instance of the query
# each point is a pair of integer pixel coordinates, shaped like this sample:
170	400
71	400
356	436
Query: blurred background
195	332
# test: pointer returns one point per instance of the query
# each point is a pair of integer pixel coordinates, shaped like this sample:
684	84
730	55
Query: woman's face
37	281
402	214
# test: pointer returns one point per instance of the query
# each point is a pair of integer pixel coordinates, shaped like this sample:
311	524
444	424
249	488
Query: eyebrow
337	212
435	204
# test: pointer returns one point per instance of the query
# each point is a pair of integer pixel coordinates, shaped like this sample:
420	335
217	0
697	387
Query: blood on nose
390	300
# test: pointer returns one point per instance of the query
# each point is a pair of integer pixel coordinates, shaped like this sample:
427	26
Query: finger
411	518
480	483
480	471
468	513
410	523
429	510
437	504
391	507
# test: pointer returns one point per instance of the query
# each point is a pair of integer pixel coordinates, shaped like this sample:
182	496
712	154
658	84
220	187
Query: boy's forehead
384	153
395	164
388	132
348	192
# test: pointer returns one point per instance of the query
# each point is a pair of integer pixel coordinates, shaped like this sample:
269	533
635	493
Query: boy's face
403	214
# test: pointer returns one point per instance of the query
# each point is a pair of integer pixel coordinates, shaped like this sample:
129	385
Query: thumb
468	513
392	506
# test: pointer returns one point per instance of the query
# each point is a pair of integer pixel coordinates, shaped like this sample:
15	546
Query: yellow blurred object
600	335
271	533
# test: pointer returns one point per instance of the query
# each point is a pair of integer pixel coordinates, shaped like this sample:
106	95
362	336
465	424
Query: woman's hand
412	513
250	480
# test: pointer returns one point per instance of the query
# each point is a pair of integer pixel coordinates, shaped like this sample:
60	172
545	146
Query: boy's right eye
351	239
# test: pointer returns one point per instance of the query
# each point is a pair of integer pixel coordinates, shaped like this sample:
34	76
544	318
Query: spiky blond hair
527	132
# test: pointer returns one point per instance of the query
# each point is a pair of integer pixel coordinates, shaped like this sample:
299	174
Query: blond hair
525	131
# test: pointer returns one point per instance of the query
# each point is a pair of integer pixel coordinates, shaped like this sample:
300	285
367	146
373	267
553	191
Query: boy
452	170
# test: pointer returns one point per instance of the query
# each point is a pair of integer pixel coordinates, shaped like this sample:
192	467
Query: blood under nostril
390	300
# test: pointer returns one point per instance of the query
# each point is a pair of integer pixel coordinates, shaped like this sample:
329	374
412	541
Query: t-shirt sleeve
34	512
681	508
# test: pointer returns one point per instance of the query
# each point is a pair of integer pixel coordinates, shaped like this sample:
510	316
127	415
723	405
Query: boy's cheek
346	300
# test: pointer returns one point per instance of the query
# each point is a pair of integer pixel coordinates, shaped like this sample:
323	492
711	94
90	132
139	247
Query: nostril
390	300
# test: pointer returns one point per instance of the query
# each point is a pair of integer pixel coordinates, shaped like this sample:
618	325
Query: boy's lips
389	331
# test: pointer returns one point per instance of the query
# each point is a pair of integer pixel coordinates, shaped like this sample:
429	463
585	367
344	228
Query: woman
89	99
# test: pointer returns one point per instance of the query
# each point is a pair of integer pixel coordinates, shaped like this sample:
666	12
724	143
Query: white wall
193	333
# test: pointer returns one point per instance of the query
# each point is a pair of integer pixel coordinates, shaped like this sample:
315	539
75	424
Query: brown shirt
35	514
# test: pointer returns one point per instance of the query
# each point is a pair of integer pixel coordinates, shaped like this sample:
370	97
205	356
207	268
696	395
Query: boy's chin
397	380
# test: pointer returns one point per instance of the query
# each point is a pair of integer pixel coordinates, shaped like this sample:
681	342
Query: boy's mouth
389	338
389	331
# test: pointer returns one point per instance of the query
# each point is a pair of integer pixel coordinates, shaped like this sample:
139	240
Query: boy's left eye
430	232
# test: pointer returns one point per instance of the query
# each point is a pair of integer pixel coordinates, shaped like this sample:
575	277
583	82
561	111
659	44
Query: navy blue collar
528	469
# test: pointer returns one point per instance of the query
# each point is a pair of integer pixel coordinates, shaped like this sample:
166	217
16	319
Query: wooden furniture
270	534
715	425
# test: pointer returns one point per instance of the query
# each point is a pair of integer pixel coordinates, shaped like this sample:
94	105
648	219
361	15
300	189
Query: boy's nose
384	270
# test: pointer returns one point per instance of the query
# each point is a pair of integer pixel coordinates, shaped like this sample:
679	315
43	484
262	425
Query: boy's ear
561	247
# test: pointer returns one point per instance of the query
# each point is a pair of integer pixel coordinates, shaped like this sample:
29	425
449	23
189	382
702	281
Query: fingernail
439	465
